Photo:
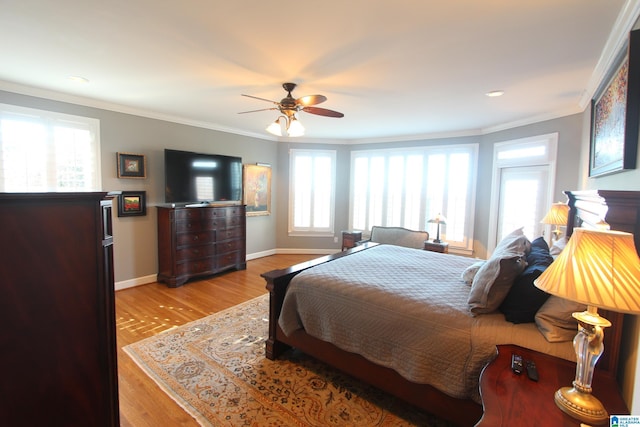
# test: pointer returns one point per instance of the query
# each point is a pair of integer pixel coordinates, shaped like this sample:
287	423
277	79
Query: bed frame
621	209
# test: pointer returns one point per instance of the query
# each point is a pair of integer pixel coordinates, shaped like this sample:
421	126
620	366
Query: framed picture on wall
132	203
131	165
615	112
257	189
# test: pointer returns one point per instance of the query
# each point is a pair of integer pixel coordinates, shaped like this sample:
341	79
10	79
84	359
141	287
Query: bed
437	372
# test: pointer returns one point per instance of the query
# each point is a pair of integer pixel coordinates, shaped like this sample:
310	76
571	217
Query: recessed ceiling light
78	79
495	93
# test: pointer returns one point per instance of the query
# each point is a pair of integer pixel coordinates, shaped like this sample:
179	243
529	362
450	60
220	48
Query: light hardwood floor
147	310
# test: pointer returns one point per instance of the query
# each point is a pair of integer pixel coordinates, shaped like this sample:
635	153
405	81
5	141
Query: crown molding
615	43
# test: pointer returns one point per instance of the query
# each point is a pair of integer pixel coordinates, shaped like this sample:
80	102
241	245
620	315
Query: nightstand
350	238
509	399
442	247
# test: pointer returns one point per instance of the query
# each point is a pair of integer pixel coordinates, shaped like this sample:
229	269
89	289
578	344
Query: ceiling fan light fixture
295	128
289	107
275	128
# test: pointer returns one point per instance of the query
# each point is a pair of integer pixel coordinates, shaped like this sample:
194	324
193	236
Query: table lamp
557	216
438	219
599	268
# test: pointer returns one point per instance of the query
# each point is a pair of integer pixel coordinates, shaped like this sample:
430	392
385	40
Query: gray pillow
492	282
554	319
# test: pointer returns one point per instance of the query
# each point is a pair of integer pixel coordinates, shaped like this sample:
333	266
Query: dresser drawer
182	214
196	252
231	233
215	223
223	212
195	238
206	265
229	246
229	259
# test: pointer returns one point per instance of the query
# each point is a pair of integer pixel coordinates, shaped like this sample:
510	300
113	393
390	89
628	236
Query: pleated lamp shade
557	215
598	268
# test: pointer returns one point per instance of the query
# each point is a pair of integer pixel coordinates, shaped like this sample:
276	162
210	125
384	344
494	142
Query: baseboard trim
138	281
261	254
289	251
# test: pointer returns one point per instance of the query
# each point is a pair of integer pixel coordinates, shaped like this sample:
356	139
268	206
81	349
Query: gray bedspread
405	309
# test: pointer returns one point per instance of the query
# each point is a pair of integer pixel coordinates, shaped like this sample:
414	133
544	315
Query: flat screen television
201	178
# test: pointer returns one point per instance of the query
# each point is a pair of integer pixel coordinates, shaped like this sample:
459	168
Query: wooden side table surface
509	399
442	247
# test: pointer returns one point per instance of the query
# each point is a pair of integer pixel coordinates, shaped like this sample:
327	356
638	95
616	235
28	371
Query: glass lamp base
580	405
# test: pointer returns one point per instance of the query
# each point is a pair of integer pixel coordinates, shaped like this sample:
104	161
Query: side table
442	247
509	399
350	238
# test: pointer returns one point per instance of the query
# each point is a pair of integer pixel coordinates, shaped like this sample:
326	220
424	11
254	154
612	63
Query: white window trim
550	141
312	232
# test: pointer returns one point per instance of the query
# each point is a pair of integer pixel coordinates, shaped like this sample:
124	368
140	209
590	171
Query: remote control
532	371
516	363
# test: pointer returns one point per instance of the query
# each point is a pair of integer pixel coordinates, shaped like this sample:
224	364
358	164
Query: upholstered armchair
398	236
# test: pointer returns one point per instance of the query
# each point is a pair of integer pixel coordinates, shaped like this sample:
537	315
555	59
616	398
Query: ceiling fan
289	106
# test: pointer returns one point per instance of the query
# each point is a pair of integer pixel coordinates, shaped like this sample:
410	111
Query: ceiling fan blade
255	111
322	112
261	99
311	100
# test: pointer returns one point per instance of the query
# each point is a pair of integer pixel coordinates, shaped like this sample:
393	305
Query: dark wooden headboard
621	210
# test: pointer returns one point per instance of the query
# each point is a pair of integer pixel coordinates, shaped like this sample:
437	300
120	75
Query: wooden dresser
200	241
58	342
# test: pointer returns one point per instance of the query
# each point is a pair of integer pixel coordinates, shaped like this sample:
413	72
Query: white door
523	200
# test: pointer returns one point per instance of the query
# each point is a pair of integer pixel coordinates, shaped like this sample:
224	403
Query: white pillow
515	241
470	272
557	247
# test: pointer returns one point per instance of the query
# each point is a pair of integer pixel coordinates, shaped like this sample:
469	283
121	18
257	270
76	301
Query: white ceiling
398	69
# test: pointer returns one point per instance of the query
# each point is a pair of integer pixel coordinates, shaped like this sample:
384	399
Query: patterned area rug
216	370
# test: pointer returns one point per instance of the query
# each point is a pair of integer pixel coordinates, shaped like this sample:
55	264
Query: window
407	187
44	151
312	192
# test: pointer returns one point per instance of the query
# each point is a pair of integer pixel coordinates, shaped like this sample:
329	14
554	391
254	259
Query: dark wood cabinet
350	238
58	342
200	241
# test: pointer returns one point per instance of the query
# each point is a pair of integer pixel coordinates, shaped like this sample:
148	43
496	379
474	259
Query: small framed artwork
615	112
257	189
131	165
132	203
